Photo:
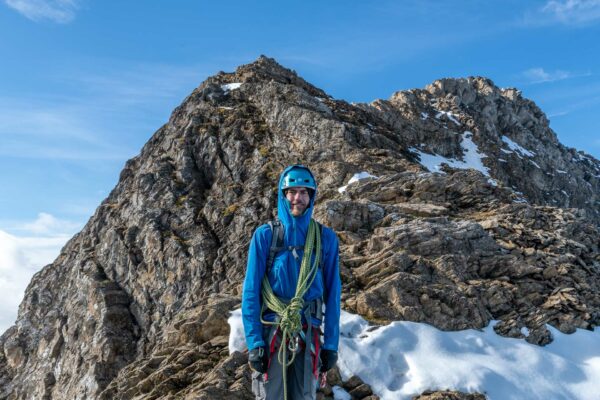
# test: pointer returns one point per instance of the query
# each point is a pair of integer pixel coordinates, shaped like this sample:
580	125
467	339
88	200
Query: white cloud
23	118
100	112
573	12
46	223
140	84
61	11
558	114
539	75
21	256
566	12
55	130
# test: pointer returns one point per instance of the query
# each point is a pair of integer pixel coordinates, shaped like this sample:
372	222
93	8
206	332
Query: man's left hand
328	359
258	359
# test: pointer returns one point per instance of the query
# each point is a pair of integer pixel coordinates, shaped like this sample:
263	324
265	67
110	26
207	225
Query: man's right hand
258	359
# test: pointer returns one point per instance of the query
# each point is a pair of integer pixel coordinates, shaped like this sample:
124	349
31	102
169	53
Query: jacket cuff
257	344
329	347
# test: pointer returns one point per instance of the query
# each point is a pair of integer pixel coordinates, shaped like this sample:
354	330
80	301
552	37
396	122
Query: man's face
299	199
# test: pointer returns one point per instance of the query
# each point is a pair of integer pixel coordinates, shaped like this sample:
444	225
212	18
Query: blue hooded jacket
283	275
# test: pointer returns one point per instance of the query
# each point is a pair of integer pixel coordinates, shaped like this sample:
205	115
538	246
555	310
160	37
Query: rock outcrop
136	305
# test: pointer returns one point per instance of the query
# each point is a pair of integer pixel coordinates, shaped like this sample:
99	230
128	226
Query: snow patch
231	86
509	152
355	178
516	147
449	115
472	157
561	171
520	199
340	394
402	359
237	340
534	163
424	115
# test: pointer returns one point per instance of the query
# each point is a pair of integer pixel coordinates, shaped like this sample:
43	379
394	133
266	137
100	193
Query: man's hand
258	359
328	359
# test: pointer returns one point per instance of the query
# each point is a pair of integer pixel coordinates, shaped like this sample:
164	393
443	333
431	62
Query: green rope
290	315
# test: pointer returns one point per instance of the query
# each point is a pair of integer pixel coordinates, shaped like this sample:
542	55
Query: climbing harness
289	320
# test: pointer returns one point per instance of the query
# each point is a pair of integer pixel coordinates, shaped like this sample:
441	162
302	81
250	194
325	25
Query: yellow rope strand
290	315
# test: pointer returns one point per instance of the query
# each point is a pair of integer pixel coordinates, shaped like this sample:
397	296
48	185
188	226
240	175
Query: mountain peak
265	69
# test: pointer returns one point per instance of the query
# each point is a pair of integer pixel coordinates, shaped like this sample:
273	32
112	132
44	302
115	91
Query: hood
295	227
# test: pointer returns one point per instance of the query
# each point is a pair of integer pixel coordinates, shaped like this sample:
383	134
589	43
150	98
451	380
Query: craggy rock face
136	305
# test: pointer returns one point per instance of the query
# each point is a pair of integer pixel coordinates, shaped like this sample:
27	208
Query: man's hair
310	191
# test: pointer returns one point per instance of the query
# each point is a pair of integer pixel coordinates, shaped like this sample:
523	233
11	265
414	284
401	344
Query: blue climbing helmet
299	176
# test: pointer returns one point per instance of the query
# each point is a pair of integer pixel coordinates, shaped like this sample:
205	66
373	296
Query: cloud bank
21	256
573	12
539	75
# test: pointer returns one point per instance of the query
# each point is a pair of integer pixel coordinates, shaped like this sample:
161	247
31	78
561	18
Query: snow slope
404	359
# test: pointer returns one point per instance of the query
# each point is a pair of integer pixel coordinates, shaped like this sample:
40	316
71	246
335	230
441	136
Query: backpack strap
322	249
321	263
276	242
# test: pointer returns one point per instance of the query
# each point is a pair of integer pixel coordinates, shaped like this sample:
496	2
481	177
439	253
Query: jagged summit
136	304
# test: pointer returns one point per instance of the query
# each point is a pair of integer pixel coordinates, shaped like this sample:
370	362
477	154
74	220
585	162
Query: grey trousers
272	388
301	382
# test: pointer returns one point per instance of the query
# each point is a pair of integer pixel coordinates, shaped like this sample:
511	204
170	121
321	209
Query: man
282	302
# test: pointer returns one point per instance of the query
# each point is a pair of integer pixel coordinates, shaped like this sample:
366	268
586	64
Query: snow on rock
472	157
340	394
231	86
403	359
516	147
511	152
355	178
449	115
237	340
424	115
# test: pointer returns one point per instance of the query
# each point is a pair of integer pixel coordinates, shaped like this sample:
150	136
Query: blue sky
85	83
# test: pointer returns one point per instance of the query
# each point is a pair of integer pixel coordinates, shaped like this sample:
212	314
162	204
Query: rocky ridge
136	305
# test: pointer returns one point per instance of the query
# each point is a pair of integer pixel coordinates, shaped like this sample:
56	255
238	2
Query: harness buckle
293	344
